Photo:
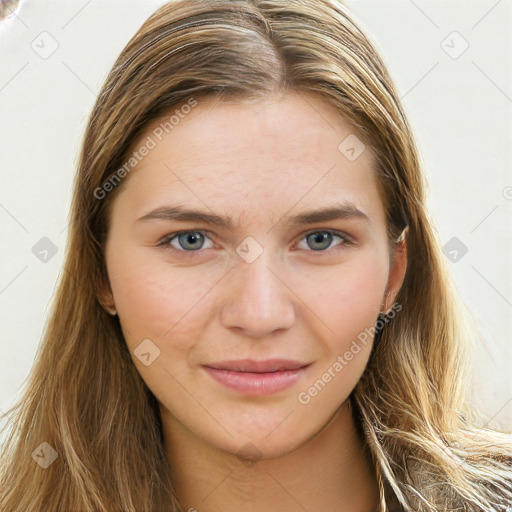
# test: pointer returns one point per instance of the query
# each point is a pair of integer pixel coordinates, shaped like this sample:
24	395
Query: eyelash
165	241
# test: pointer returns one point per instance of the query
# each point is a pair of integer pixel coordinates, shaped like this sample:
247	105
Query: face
246	318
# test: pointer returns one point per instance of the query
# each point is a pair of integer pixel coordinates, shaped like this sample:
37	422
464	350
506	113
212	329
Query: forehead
271	153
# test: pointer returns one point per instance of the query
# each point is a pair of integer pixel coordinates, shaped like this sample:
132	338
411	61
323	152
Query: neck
328	472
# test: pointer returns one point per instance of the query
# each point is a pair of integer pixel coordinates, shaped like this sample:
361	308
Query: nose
258	301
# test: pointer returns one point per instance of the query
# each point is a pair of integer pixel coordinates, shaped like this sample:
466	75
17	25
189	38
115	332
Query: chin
253	450
252	443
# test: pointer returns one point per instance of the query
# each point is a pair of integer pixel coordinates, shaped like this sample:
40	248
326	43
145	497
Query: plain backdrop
450	61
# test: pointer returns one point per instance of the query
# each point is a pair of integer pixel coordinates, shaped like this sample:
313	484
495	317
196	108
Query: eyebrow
340	211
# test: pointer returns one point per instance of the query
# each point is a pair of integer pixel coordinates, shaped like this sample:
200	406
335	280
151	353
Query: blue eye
194	241
189	241
321	240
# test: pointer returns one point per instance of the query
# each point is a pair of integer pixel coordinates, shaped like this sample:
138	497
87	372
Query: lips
250	366
257	378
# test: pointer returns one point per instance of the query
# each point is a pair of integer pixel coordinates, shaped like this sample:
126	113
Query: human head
251	57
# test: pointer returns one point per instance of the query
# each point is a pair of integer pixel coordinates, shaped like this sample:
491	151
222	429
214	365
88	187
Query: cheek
347	297
348	304
157	301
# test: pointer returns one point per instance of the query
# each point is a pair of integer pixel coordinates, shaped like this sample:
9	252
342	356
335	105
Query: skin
259	163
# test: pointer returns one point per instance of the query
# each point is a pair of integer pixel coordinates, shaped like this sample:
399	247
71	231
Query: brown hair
85	397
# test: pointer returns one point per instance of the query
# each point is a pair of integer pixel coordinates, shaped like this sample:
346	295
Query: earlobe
108	305
111	311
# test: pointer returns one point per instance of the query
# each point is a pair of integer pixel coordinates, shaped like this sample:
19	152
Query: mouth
256	378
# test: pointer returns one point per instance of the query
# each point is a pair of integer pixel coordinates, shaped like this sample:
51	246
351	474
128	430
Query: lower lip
256	384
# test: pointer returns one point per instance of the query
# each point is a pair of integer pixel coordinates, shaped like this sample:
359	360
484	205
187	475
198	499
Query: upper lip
249	365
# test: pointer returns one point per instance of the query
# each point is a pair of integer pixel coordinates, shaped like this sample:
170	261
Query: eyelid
332	231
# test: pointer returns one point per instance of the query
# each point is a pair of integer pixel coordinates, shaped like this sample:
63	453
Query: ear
398	266
105	296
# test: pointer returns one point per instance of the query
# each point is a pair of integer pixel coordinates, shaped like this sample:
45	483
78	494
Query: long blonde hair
84	396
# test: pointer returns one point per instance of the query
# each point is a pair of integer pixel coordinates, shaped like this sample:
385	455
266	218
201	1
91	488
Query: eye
194	241
187	241
321	240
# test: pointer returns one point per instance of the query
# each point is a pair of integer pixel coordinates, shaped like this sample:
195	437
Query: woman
255	313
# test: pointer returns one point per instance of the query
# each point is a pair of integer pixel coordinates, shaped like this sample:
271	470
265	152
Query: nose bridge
257	302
